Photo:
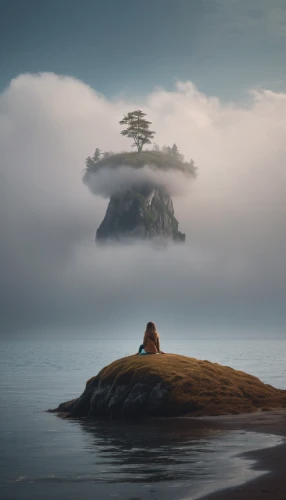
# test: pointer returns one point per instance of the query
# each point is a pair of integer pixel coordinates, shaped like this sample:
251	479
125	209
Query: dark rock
144	213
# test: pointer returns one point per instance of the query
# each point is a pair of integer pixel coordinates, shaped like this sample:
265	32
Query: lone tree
137	129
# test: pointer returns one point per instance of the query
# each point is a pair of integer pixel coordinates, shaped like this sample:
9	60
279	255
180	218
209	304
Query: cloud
108	181
229	275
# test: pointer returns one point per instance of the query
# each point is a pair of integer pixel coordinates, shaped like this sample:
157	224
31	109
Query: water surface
45	457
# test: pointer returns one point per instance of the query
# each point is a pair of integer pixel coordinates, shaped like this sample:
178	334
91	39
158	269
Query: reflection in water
174	459
164	450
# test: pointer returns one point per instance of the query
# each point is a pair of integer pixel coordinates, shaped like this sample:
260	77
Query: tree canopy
137	129
174	152
97	155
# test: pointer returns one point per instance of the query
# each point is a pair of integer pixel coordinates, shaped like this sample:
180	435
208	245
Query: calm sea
44	457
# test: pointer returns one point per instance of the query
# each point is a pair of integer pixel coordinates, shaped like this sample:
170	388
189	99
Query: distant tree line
98	155
174	152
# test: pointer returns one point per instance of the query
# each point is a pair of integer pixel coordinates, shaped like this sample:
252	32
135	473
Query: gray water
45	457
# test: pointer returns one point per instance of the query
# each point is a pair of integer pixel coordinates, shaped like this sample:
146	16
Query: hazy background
230	276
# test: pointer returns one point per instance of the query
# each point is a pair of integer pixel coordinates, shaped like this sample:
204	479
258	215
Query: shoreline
272	484
271	462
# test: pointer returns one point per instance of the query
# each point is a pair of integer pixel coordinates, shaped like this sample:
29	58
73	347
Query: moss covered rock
170	385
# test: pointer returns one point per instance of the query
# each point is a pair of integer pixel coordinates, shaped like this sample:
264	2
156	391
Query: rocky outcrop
140	213
170	385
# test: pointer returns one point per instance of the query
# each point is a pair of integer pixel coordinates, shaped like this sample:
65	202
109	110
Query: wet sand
270	486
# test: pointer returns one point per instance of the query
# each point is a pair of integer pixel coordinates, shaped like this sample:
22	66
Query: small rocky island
140	204
170	385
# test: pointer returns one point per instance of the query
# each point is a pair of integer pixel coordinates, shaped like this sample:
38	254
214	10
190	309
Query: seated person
151	341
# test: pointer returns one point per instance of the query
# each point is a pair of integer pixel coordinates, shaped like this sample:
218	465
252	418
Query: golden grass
199	387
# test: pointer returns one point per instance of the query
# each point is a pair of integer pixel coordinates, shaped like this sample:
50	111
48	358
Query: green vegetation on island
138	129
163	160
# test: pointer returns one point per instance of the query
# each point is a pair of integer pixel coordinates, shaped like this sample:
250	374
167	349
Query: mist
108	181
229	278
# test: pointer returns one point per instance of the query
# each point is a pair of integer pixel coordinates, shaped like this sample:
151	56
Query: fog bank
230	275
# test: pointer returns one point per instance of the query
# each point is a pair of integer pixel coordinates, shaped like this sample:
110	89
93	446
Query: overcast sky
229	277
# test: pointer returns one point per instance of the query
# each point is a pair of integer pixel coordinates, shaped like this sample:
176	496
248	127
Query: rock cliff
142	213
170	385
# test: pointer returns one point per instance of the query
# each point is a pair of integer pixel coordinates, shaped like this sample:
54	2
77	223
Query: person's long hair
151	331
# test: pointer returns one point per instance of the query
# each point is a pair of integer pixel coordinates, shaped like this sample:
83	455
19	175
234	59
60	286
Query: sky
210	77
225	47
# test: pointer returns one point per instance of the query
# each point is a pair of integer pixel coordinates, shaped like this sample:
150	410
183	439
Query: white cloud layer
108	181
231	272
